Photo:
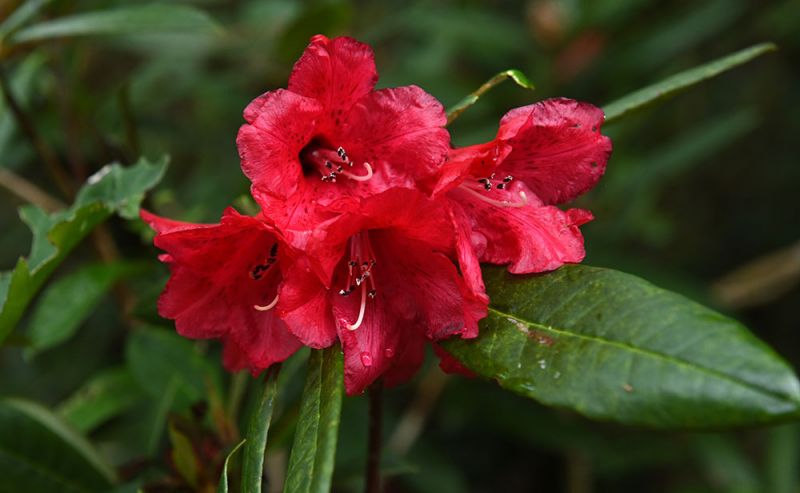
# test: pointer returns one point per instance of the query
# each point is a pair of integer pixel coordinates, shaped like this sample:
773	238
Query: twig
28	192
413	420
45	152
373	473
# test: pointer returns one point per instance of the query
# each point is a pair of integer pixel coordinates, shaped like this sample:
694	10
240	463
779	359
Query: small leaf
55	235
614	347
183	455
152	18
223	479
473	98
680	82
40	454
257	431
104	396
66	303
312	458
162	362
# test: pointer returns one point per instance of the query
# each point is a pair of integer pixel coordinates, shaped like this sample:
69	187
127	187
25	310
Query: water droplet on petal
389	352
366	359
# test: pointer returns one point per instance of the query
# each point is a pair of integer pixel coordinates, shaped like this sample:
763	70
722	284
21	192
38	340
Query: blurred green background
700	196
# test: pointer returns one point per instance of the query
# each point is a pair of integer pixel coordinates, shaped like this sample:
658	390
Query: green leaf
66	303
614	347
152	18
257	431
473	98
312	458
40	454
183	455
113	189
105	396
20	16
163	362
680	82
223	479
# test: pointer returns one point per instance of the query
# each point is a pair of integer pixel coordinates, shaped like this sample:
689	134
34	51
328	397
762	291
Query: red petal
305	308
281	124
337	72
211	293
400	132
449	364
471	162
557	148
532	238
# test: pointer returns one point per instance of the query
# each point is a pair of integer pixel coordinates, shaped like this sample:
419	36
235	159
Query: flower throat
320	158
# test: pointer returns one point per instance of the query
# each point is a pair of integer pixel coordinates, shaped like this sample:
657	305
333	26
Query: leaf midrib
652	354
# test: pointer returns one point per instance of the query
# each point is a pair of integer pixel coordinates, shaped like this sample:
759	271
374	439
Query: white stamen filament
359	177
361	310
498	203
266	308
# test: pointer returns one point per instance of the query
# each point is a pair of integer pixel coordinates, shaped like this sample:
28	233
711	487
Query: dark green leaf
614	347
66	303
223	479
257	431
312	458
115	189
106	395
152	18
473	98
680	82
40	454
163	362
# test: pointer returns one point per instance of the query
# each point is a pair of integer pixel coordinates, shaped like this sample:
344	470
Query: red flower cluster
372	227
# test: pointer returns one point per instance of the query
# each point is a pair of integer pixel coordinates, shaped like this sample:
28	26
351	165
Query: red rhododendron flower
331	136
365	213
224	284
503	193
394	288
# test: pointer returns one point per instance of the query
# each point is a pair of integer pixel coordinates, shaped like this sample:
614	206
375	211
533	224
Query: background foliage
696	189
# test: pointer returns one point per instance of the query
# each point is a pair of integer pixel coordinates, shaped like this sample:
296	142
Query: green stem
253	465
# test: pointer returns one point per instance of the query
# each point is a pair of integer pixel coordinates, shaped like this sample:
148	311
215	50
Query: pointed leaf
473	98
105	395
40	454
257	431
66	303
152	18
680	82
223	479
312	458
113	189
614	347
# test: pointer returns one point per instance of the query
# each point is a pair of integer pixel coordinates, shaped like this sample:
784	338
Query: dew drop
389	352
366	359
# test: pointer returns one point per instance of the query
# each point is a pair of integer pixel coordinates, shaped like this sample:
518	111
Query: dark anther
501	186
372	293
353	263
328	164
273	251
508	178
